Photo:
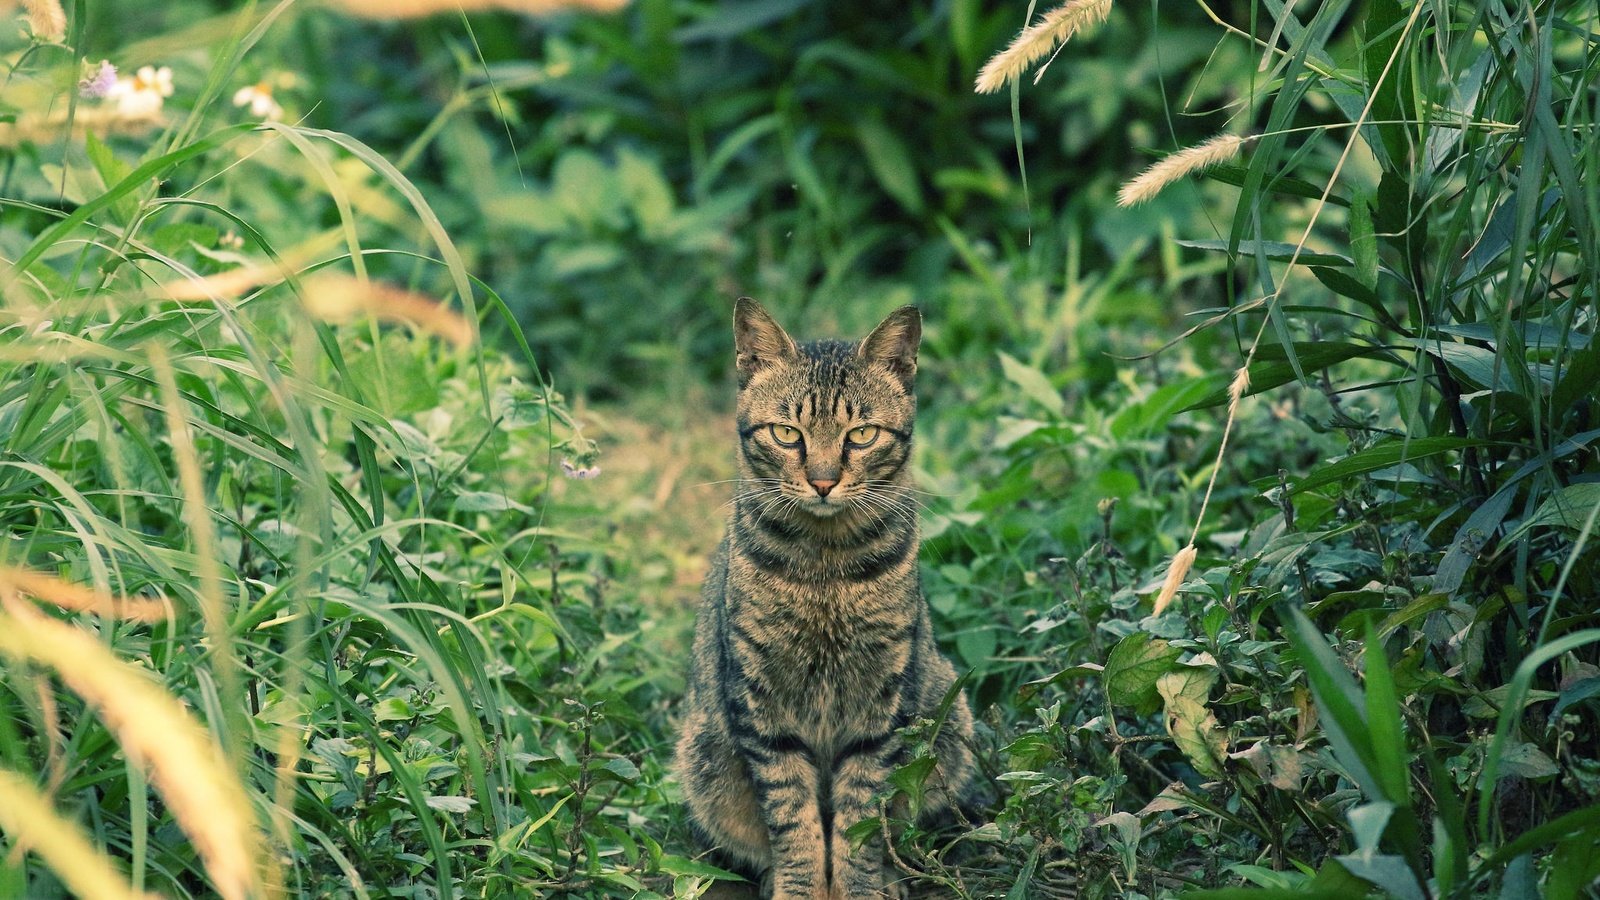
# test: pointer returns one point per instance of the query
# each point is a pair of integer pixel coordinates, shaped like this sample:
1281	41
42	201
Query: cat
813	643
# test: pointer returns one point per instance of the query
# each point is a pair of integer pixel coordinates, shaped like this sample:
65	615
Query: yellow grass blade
157	732
81	598
31	821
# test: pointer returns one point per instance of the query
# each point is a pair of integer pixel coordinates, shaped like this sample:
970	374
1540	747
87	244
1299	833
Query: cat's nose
823	485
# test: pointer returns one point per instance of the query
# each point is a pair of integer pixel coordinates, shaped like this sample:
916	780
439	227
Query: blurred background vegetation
388	359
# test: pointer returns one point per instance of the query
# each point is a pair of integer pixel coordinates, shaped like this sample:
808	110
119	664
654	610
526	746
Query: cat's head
825	424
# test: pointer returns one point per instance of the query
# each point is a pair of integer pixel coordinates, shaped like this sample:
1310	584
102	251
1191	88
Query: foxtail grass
1038	40
32	823
47	20
78	598
193	775
1188	161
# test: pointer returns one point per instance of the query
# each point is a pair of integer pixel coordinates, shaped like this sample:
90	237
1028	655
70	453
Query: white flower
258	97
142	96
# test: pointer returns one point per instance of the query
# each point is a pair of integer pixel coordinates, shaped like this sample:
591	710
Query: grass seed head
1185	162
47	20
200	787
1037	40
29	818
1241	383
80	598
340	298
1175	575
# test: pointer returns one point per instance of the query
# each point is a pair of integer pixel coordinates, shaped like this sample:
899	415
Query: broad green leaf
1386	871
1272	368
891	163
1470	538
1384	728
1520	881
1524	760
678	865
1034	384
1569	507
112	171
1343	714
1133	667
1380	456
1367	824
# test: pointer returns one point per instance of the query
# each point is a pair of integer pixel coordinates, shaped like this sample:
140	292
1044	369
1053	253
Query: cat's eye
862	436
786	435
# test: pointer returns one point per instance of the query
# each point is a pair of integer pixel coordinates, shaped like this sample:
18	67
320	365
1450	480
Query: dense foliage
374	609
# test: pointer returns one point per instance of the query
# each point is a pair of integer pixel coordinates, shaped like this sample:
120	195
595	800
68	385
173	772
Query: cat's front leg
858	780
787	785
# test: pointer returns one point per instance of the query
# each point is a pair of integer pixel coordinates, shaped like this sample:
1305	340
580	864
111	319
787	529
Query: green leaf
621	768
1387	871
1034	384
1272	368
1380	456
1470	539
1384	728
678	865
112	171
890	162
1381	32
1569	507
1019	890
1364	243
1524	760
1133	667
450	804
1275	251
391	709
1339	700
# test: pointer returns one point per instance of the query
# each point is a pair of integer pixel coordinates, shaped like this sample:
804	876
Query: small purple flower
98	84
582	473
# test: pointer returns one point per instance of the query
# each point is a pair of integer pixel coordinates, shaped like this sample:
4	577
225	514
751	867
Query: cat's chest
825	648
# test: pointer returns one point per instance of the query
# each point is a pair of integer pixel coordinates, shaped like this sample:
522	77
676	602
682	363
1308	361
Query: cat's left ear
894	343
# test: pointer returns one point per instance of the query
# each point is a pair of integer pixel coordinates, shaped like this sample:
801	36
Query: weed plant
1411	279
279	459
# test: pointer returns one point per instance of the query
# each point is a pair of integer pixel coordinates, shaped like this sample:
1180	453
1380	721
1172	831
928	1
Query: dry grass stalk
1178	165
230	284
1178	571
30	819
1037	40
80	598
413	9
195	779
341	298
47	20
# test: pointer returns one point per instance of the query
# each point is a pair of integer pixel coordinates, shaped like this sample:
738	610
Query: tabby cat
813	643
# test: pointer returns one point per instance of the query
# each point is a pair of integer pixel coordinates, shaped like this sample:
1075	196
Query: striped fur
813	644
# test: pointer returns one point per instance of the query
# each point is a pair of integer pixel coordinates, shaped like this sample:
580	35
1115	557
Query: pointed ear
757	339
894	343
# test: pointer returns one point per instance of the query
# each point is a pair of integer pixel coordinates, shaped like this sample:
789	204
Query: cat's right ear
757	339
